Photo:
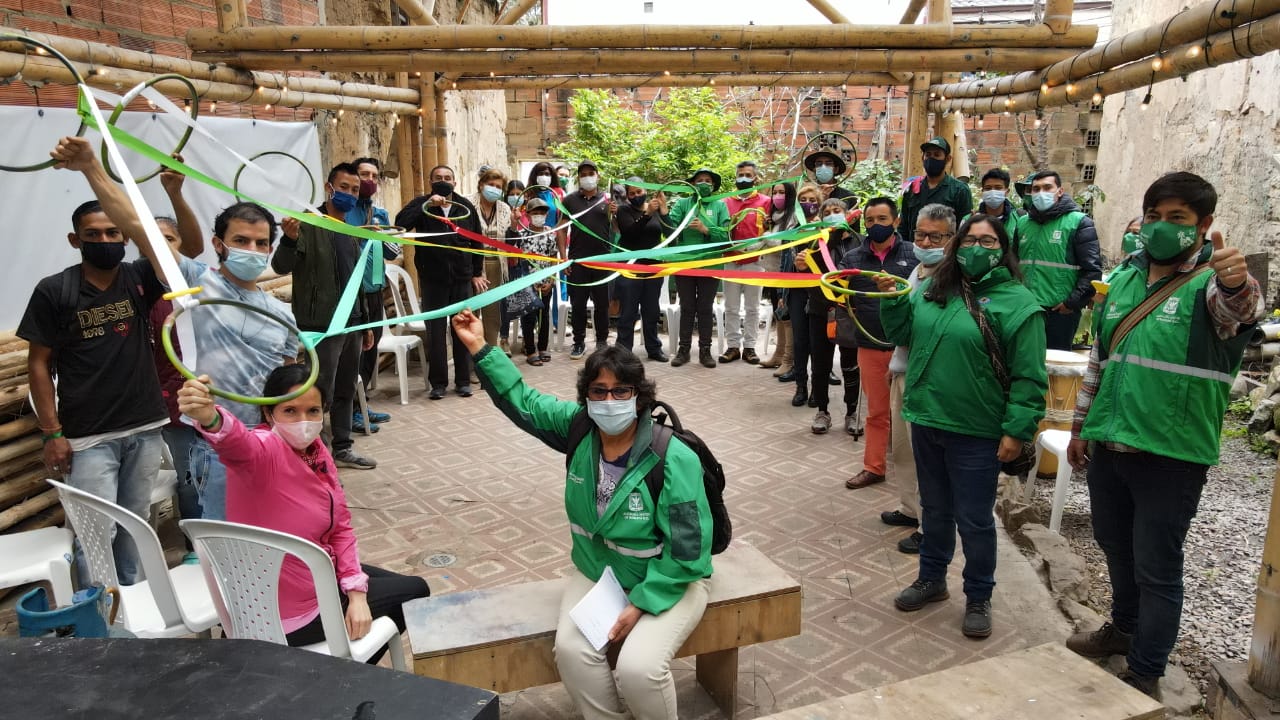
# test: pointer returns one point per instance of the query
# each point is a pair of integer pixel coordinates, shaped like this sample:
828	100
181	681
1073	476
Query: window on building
831	107
648	7
1092	138
1088	172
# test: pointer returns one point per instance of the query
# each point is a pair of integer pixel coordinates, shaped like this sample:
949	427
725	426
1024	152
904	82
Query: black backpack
712	472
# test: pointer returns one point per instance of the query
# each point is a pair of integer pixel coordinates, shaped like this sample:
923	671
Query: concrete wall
1222	123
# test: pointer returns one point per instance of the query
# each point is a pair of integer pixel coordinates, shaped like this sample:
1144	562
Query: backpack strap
657	476
580	428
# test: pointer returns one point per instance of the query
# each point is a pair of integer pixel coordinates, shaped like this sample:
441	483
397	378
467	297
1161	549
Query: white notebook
598	610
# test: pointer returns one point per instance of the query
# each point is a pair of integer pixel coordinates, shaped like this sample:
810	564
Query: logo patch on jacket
635	503
1057	237
1169	312
635	508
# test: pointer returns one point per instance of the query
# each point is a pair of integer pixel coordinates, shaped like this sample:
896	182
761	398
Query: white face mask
835	219
539	220
299	434
613	417
588	183
544	180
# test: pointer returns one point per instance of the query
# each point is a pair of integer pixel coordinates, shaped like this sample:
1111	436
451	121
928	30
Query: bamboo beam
917	125
27	508
232	14
98	54
912	13
1188	26
1256	38
564	82
829	12
416	12
442	135
1264	651
515	12
590	37
542	62
1057	15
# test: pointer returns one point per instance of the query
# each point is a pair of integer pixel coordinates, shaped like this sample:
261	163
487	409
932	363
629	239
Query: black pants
339	362
435	296
542	319
822	352
697	295
388	592
369	358
797	304
579	294
639	299
1060	330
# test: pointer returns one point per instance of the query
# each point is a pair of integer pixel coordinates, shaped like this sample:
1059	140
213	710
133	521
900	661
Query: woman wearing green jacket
659	548
697	295
965	418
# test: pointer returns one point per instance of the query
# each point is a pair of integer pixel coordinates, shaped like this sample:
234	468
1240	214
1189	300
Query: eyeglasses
935	238
619	392
990	242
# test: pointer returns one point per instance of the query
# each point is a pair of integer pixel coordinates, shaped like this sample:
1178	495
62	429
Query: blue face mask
834	220
993	198
929	256
515	201
824	173
613	417
1044	200
245	264
491	193
342	202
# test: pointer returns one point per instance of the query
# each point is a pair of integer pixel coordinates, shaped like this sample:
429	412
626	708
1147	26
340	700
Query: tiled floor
457	479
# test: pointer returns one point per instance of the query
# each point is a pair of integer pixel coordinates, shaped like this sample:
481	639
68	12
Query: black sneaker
1105	641
898	518
350	459
464	391
682	357
1141	683
437	392
659	357
910	545
921	593
977	619
577	351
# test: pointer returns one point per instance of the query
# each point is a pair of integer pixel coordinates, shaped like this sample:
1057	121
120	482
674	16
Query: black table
216	679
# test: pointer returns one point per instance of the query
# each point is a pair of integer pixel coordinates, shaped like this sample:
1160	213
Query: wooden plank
1048	681
718	674
24	425
13	398
502	668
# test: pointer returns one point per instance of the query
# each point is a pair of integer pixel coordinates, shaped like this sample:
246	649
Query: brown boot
783	345
786	349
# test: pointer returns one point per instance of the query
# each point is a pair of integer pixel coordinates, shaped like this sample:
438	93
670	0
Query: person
748	220
966	416
495	220
818	309
641	221
710	224
447	275
935	226
1132	240
657	544
826	166
374	281
1148	418
782	218
542	182
281	477
1057	247
808	197
880	251
515	197
535	238
995	198
589	234
935	186
323	262
562	181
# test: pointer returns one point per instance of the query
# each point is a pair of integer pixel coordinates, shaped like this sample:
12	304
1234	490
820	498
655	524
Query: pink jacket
270	486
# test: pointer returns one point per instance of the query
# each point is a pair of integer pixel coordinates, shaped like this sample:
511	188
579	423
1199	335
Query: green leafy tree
874	178
604	131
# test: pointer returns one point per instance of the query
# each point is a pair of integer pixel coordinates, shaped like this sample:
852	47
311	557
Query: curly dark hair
947	278
627	367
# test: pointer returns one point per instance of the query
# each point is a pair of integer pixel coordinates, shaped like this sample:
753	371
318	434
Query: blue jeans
210	478
957	475
122	471
178	438
1060	330
638	299
1142	507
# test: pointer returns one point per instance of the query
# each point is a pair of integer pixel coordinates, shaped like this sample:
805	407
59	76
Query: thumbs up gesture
1228	263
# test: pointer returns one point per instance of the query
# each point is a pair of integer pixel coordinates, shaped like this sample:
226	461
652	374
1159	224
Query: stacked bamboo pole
26	500
567	82
416	12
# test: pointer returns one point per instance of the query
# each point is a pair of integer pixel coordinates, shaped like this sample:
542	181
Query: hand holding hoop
828	281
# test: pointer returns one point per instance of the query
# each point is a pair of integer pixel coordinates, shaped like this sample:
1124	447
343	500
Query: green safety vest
1047	260
1166	388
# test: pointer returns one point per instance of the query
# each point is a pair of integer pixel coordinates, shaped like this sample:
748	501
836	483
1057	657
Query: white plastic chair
242	566
170	602
670	310
766	312
400	345
35	555
399	280
1055	441
363	400
562	315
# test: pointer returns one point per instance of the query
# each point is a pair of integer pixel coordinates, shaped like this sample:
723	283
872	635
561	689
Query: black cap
587	164
939	143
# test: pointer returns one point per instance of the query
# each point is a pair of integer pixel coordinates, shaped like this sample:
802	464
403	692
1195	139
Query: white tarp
35	207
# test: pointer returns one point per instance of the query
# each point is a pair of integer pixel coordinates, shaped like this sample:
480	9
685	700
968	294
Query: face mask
976	261
544	180
102	255
933	167
588	183
1165	240
539	220
441	188
299	434
491	193
809	207
1043	200
704	189
779	202
515	201
743	182
879	233
368	188
342	202
1131	243
993	198
824	173
638	201
834	219
929	256
245	264
613	417
564	182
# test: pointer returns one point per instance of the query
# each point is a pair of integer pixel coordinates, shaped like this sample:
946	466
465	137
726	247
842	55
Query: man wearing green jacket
710	224
1148	418
659	548
935	186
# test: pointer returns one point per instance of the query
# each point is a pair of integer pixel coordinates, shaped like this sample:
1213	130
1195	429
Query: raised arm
189	231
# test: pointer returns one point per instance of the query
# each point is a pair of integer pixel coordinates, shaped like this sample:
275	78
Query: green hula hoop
128	98
235	182
828	281
79	80
445	219
385	229
166	339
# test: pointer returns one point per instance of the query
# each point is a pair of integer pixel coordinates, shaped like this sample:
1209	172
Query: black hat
715	177
587	164
939	143
812	158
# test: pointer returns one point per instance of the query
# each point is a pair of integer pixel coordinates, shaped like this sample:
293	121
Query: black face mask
102	255
637	202
441	188
742	184
933	167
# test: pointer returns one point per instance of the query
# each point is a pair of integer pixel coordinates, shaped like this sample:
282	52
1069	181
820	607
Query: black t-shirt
581	243
101	345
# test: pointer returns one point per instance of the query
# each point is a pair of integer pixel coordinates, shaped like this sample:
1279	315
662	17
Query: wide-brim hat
536	204
812	158
715	177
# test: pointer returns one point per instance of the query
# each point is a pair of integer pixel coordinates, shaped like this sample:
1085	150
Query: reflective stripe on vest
642	554
1046	263
1169	367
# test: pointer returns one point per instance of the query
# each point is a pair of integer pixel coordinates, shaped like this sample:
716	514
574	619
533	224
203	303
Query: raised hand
196	402
171	180
469	329
1228	263
74	153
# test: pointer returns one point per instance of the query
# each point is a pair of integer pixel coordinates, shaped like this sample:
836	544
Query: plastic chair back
399	277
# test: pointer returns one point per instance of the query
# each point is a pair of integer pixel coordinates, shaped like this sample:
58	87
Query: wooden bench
1048	681
502	639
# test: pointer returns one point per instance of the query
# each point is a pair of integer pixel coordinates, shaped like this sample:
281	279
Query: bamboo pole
1057	15
441	131
24	425
829	12
417	14
541	62
589	37
42	68
28	445
1191	25
1256	38
231	14
27	508
13	398
515	12
22	485
1264	651
52	517
917	125
567	82
912	13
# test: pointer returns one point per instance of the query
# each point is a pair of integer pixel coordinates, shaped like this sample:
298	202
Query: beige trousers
495	272
644	665
904	462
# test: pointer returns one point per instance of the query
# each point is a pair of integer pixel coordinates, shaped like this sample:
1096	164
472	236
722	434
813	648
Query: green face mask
976	261
1131	243
704	189
1164	240
563	181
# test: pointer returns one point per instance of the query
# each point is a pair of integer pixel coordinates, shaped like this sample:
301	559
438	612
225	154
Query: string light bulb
1039	119
1044	87
213	106
1146	101
340	111
1071	88
1193	51
1157	63
1097	97
980	117
268	107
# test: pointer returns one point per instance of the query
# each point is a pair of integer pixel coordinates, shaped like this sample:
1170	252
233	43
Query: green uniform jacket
951	192
1172	371
950	383
655	551
714	214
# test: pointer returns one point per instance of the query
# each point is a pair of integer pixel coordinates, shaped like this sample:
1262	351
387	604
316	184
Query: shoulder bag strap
988	335
1139	313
